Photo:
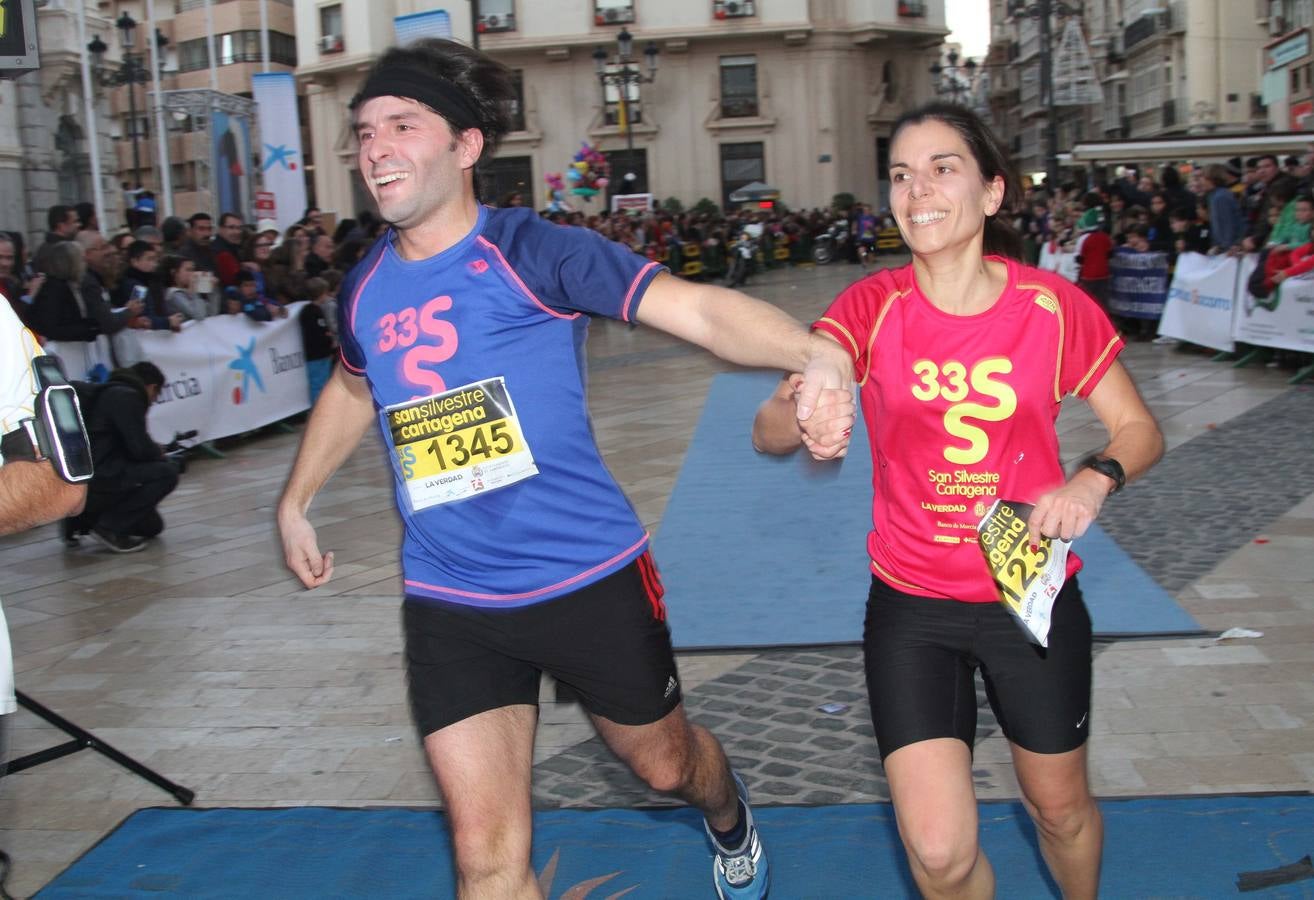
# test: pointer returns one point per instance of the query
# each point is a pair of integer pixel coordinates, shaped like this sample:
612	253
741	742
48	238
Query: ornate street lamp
1041	10
130	72
621	72
955	82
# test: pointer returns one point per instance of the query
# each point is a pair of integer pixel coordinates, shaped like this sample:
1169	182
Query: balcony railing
738	107
1175	113
1141	30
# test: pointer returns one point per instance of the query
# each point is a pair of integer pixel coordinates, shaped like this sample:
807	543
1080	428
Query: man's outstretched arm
750	332
339	420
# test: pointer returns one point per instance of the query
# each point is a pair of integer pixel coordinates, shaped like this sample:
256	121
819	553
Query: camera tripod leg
83	739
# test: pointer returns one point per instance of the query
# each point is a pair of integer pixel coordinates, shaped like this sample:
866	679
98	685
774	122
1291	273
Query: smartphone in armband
56	432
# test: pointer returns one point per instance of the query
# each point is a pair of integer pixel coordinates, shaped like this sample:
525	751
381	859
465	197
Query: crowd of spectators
1220	208
1261	205
79	284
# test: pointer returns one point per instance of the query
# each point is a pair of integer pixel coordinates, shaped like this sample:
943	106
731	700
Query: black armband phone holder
56	432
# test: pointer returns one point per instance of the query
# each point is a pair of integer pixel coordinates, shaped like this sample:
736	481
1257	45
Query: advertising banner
1284	319
259	371
187	398
222	376
231	136
1201	303
1138	284
83	360
280	144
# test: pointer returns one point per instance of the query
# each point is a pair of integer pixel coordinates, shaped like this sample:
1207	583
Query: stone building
795	93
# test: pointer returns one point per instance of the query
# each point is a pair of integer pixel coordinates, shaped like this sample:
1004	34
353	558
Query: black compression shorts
921	654
607	641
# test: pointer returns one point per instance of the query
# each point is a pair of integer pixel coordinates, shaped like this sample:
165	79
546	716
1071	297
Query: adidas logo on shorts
671	685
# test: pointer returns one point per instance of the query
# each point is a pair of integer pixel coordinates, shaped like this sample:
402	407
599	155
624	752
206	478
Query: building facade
45	138
793	93
1165	67
1288	65
46	133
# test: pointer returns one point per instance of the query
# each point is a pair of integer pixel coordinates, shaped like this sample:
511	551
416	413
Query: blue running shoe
740	872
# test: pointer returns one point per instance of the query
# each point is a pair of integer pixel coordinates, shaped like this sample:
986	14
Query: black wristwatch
1108	466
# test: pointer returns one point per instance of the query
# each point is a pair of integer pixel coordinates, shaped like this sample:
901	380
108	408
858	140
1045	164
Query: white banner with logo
186	401
83	360
1201	301
222	376
1284	319
259	371
281	165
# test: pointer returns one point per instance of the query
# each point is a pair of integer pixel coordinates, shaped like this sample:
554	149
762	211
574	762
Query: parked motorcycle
739	259
831	244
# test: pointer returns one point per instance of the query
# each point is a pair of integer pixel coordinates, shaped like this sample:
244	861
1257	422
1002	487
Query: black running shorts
607	641
921	654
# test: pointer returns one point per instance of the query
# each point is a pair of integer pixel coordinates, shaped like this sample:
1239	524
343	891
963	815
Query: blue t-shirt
510	301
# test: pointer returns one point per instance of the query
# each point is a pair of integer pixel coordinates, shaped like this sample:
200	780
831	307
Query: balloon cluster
556	193
588	174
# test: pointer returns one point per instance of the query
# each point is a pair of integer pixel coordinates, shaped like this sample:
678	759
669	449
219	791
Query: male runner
462	335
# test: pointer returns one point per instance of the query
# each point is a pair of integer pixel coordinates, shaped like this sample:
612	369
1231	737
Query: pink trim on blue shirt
530	595
524	287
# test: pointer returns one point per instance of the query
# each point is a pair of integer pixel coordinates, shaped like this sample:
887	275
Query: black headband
435	92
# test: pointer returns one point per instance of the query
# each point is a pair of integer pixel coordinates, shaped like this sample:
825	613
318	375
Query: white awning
1192	146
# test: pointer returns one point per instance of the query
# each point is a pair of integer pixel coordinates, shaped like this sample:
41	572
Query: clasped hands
824	405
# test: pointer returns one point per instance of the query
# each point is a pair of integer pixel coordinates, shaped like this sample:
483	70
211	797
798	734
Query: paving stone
832	742
822	798
563	765
787	736
1224	459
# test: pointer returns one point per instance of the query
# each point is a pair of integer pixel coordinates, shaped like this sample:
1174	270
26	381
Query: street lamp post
622	73
131	73
1041	10
954	81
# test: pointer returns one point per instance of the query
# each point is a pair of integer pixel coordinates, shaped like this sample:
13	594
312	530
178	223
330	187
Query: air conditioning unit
733	9
330	43
613	15
1277	25
496	23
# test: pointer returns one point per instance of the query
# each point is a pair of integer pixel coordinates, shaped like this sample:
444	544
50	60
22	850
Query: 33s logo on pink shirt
403	330
950	380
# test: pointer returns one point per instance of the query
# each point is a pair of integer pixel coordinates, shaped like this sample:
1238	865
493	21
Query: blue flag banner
1139	284
282	168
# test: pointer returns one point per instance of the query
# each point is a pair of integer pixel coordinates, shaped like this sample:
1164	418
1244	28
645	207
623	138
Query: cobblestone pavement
766	714
1207	497
203	658
1217	491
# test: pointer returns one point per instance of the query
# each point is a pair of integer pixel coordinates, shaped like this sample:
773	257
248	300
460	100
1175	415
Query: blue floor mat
764	551
1180	848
